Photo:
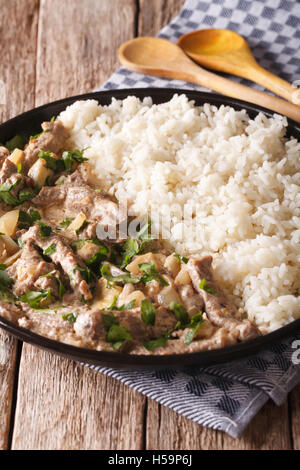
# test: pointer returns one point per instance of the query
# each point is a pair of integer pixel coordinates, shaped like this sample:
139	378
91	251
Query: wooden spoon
227	51
160	57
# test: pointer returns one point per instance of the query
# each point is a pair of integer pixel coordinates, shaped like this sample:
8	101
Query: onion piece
8	222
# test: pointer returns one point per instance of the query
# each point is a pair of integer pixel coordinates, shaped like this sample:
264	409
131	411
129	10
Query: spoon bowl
160	57
227	51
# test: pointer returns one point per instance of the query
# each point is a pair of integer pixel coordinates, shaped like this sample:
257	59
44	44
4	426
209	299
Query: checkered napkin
227	396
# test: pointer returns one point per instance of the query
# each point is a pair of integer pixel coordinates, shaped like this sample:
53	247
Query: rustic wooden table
51	49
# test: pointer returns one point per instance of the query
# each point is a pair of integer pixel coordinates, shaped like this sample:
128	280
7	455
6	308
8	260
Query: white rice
237	180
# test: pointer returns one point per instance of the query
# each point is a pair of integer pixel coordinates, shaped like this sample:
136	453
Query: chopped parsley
133	246
70	157
150	274
27	219
45	230
27	193
203	285
70	317
62	164
50	250
180	313
18	141
84	224
65	223
24	194
61	287
148	312
35	298
123	307
116	334
5	283
129	250
6	195
195	323
84	271
54	164
181	258
122	278
156	343
5	280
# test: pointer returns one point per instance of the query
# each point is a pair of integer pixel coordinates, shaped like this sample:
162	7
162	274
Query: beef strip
219	309
7	170
191	300
52	139
220	339
9	174
4	153
10	311
77	196
64	257
90	324
50	325
26	271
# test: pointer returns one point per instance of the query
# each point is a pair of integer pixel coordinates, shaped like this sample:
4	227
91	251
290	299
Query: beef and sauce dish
59	280
232	276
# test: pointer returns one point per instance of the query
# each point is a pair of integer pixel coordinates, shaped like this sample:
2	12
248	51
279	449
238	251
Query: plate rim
122	360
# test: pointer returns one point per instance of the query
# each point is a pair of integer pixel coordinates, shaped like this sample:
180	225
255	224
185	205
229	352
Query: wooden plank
168	430
78	43
7	375
17	84
156	14
62	405
294	402
18	32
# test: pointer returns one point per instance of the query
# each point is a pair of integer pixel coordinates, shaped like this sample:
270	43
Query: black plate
29	124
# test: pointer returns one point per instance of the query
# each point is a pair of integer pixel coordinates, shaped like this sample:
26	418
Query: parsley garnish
181	258
26	220
116	334
54	164
5	280
129	250
151	274
45	230
34	298
61	287
50	250
5	193
203	285
122	278
195	323
69	157
5	283
156	343
17	141
85	272
65	223
148	312
180	313
70	317
123	307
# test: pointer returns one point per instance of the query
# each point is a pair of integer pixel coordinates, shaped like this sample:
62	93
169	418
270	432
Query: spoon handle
195	74
270	81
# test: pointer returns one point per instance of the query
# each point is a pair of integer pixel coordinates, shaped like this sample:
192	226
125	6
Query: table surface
52	49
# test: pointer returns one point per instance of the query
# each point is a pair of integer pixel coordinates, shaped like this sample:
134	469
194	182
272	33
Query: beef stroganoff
73	270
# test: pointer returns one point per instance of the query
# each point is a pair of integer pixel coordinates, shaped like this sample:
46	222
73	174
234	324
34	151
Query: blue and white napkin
227	396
